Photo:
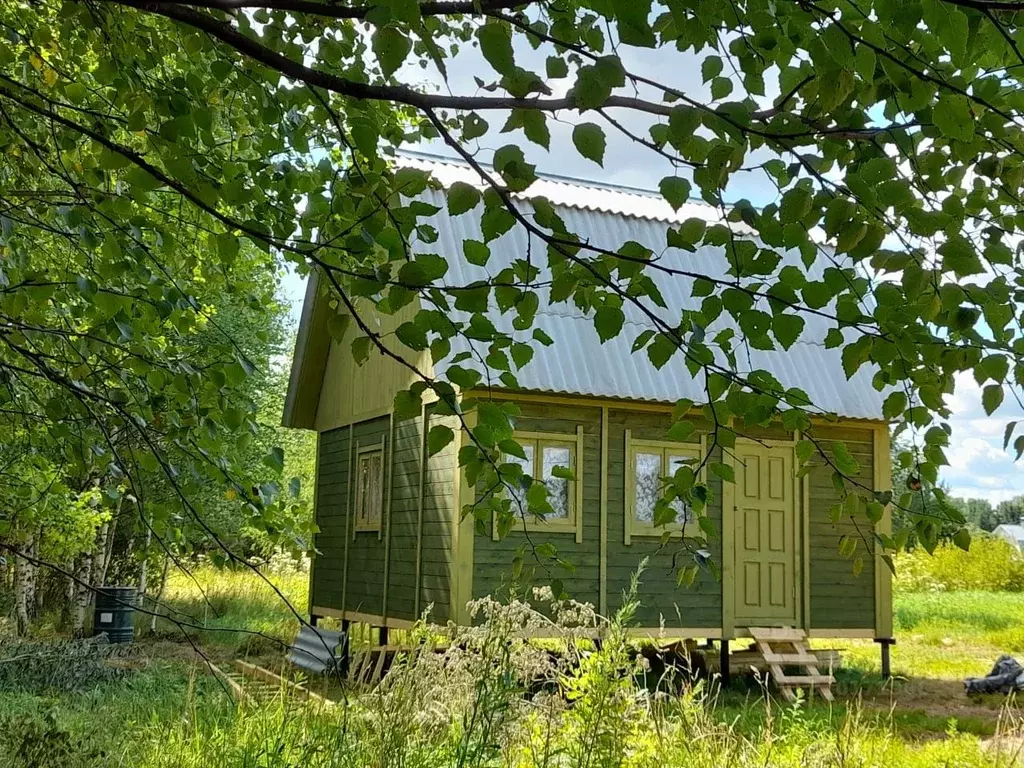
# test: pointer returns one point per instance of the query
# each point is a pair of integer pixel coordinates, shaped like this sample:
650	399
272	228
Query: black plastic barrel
115	613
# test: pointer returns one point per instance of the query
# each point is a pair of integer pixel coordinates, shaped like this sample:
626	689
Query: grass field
168	711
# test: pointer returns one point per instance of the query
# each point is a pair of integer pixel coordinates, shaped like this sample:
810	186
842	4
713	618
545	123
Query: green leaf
720	88
390	46
608	322
894	406
556	68
991	398
438	438
962	539
361	349
1008	433
952	116
676	191
476	253
496	45
462	197
845	462
960	257
510	162
275	458
724	471
787	328
590	141
338	325
407	405
681	430
710	68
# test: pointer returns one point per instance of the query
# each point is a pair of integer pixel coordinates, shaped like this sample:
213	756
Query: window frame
573	522
633	527
363	451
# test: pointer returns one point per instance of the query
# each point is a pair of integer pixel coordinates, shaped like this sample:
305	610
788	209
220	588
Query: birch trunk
36	593
159	593
144	568
99	556
108	542
22	588
83	594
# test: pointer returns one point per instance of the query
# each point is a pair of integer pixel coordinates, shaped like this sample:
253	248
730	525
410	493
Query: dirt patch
927	704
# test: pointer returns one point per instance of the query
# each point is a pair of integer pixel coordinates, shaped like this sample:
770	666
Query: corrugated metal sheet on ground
316	650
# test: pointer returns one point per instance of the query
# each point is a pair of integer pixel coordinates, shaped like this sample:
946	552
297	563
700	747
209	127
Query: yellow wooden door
765	535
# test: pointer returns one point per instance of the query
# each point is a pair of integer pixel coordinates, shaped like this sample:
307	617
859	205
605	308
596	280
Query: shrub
990	565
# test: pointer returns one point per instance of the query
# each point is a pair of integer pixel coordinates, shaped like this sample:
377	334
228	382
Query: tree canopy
153	146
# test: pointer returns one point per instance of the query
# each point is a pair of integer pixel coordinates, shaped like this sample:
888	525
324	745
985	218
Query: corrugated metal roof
1014	531
578	363
573	193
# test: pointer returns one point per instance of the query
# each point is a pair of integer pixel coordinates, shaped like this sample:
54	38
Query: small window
649	463
369	489
542	453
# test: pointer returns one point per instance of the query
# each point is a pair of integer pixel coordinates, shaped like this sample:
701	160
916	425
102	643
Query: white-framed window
648	464
545	455
369	488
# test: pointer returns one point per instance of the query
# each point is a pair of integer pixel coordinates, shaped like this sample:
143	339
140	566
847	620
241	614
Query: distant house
391	540
1012	533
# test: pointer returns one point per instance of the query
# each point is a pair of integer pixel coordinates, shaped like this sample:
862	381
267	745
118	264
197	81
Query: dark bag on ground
1006	676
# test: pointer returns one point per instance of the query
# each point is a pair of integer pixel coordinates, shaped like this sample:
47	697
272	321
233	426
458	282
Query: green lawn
168	712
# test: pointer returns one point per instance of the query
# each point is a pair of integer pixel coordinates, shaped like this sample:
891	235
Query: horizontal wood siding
493	559
438	517
840	599
660	599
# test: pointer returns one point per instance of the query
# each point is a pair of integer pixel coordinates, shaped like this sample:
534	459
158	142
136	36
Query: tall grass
235	609
486	699
991	564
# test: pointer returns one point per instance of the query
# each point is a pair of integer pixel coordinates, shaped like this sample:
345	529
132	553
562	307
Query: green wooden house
391	542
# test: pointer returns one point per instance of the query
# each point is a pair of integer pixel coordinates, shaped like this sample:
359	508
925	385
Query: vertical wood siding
351	392
366	550
438	518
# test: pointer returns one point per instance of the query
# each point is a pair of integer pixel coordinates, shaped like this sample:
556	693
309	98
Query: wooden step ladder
787	647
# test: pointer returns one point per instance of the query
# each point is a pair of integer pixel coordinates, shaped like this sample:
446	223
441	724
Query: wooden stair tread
804	679
777	634
790	649
801	659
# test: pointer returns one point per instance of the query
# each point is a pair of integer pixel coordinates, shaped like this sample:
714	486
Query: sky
979	467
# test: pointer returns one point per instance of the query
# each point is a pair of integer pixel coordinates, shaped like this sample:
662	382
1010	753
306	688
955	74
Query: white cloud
978	465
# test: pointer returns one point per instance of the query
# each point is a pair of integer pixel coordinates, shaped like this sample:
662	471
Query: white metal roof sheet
578	363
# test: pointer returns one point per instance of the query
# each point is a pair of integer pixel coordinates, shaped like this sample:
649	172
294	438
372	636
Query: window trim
633	527
361	451
573	523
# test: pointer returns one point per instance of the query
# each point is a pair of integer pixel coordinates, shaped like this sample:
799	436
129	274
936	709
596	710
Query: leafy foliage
159	153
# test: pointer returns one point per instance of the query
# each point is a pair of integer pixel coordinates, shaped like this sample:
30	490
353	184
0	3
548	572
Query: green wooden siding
840	599
660	599
438	515
405	494
332	496
364	590
493	559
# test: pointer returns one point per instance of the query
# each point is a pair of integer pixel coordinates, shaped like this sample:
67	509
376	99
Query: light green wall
839	598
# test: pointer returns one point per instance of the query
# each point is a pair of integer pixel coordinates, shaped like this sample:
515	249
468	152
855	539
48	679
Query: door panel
765	518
